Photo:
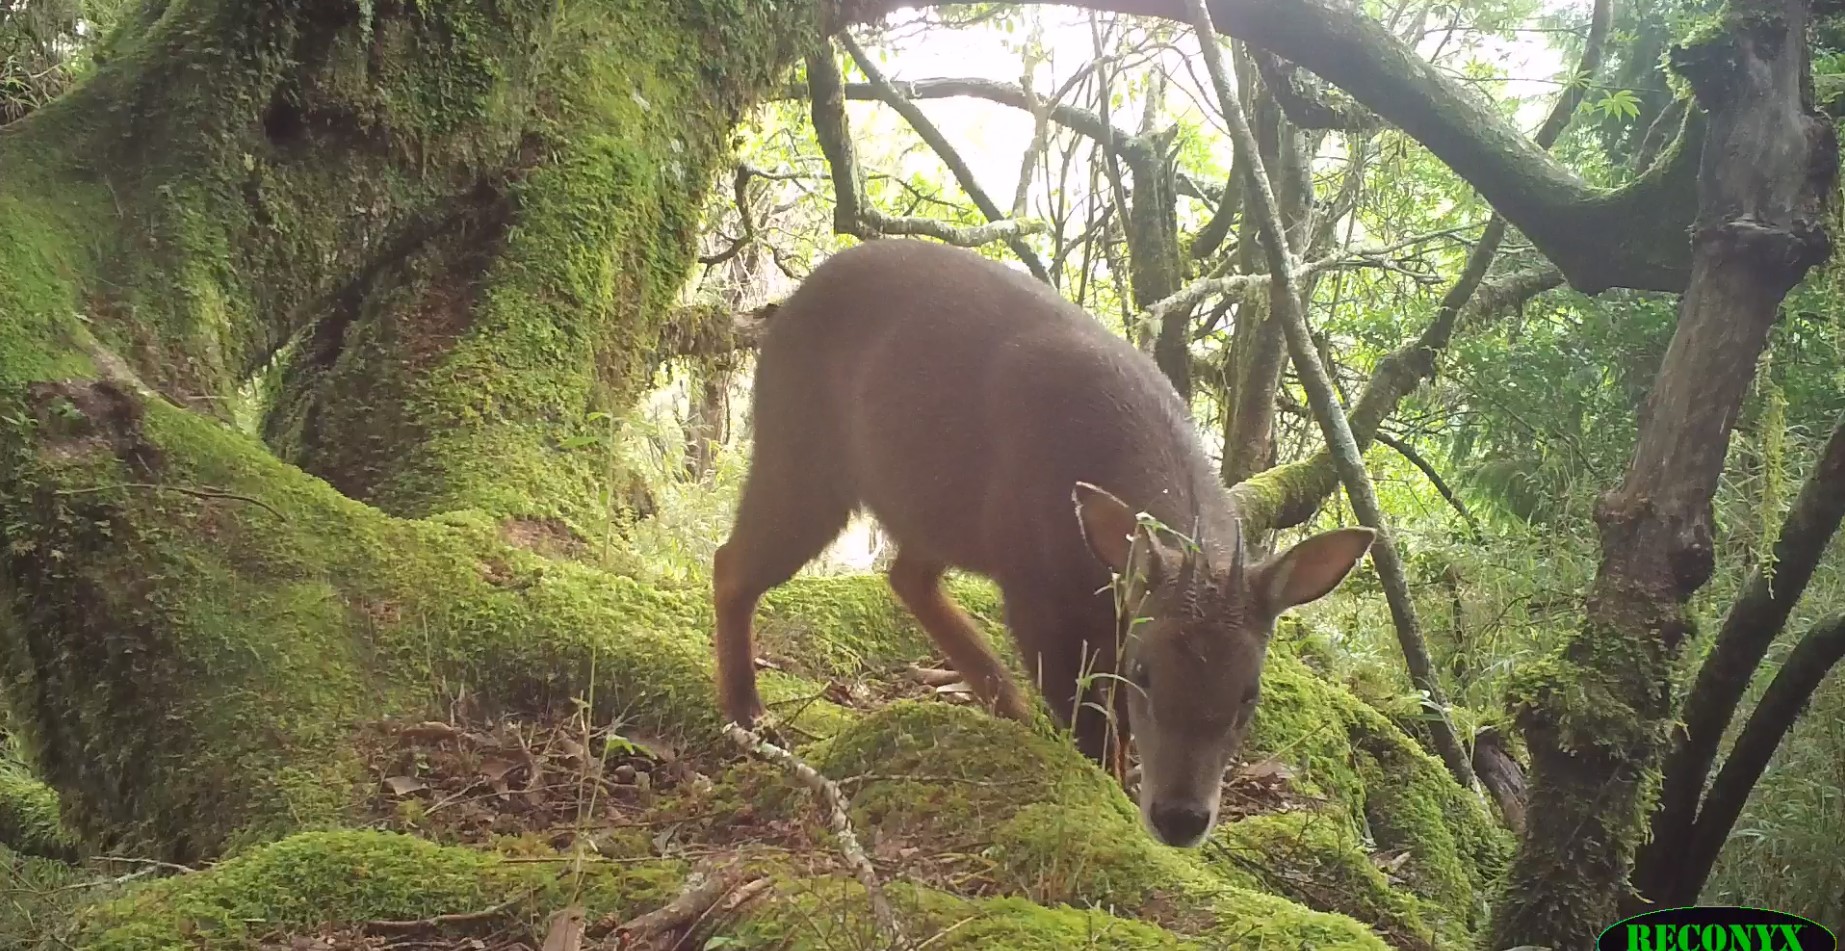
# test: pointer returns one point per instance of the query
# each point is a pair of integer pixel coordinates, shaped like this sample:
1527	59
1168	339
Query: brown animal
993	427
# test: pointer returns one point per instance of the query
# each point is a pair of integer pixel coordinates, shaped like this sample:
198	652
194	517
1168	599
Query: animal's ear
1108	525
1110	529
1310	570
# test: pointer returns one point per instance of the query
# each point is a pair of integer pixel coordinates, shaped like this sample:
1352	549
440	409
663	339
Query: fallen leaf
933	676
405	785
1267	770
430	731
566	930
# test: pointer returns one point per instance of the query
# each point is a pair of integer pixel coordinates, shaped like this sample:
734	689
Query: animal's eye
1143	678
1249	697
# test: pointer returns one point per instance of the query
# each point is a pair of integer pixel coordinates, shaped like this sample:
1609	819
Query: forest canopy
375	390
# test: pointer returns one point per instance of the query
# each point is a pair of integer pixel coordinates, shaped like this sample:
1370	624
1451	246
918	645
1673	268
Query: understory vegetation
374	394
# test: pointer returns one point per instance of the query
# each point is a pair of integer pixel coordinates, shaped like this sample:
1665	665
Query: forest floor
565	788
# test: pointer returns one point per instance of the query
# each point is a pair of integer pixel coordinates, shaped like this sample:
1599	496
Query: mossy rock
333	880
1041	819
1316	859
1394	792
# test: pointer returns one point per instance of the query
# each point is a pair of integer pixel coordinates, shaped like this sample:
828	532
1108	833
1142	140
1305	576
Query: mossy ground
1001	828
199	637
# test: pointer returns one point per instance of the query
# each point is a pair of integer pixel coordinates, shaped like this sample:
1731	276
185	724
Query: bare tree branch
1751	626
1429	472
852	212
1782	703
833	802
1630	237
1075	118
964	176
1327	411
1289	494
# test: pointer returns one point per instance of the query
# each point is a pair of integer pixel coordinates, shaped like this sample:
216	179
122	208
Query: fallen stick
703	889
440	921
834	803
707	924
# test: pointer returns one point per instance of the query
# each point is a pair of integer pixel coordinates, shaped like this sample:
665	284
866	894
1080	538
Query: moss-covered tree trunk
1595	717
415	248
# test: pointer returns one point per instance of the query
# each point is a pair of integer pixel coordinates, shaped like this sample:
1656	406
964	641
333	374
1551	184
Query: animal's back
963	400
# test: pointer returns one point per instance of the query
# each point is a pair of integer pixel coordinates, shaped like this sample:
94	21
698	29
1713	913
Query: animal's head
1198	621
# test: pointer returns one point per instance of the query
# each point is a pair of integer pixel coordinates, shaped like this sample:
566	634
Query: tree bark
1258	348
457	231
1751	626
1502	776
1595	715
1782	703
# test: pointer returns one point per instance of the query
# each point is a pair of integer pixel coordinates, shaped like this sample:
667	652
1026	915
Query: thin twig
1323	397
441	921
132	860
180	489
702	930
117	880
704	887
834	802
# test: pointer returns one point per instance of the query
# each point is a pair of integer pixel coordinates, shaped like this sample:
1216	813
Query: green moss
823	913
262	623
1044	820
29	819
518	187
320	878
38	898
1317	860
847	624
36	296
1350	752
478	376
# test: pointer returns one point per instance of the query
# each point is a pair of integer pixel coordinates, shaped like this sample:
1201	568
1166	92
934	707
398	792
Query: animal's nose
1180	825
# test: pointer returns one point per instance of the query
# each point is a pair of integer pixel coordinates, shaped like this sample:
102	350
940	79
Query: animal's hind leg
918	583
793	506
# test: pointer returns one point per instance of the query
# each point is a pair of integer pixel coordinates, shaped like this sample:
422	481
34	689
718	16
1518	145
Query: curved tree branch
1288	495
1302	486
1307	104
1118	141
1595	714
1782	703
1753	622
1630	237
1428	470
